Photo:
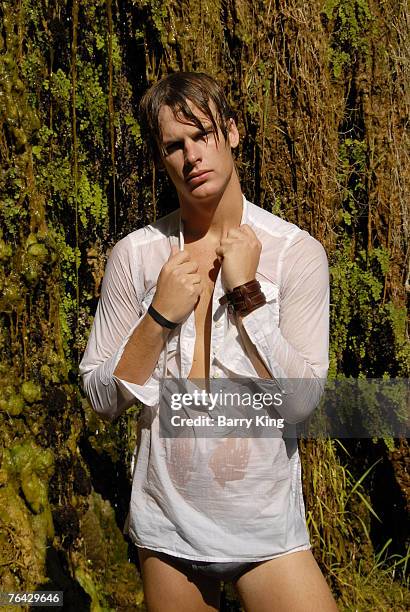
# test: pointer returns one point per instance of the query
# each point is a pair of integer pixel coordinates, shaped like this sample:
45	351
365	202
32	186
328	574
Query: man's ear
233	134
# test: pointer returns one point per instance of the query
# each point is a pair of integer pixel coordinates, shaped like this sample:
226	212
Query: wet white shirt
216	499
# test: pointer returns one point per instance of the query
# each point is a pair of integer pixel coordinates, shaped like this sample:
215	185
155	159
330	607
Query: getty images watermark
228	400
310	408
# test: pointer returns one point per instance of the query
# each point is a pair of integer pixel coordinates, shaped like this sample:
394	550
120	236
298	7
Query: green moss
92	203
10	402
107	558
60	88
86	580
28	456
21	564
12	298
31	391
5	251
26	468
14	405
39	252
351	22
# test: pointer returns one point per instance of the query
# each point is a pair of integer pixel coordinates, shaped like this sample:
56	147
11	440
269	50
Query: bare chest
208	269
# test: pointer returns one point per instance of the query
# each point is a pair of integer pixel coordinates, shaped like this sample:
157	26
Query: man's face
199	165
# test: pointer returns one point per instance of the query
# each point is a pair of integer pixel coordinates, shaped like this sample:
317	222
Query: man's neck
211	219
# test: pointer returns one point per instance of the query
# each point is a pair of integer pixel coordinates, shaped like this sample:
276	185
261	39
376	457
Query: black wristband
160	319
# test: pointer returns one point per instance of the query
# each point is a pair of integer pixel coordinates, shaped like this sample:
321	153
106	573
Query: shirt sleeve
118	313
296	351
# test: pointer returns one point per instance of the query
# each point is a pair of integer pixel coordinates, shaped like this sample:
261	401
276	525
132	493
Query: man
179	299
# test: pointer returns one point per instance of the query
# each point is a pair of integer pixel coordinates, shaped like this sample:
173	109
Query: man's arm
252	351
294	352
118	317
124	344
178	289
142	352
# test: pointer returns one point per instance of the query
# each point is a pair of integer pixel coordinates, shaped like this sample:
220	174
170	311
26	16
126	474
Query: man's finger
174	250
187	267
234	232
195	279
179	256
233	240
246	229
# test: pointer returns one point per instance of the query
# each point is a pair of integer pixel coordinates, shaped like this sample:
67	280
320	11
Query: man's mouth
196	177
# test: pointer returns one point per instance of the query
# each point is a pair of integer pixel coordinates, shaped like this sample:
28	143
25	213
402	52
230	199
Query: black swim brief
227	571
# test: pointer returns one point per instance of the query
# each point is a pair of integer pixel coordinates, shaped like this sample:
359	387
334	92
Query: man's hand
240	251
179	286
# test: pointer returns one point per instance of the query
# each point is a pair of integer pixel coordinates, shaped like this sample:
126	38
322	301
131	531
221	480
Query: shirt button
218	324
215	375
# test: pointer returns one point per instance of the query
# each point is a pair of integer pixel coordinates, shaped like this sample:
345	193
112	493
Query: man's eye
172	147
205	134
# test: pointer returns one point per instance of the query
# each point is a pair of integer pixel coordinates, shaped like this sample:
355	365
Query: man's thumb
174	250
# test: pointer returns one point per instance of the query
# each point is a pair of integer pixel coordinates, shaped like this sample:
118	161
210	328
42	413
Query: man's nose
192	153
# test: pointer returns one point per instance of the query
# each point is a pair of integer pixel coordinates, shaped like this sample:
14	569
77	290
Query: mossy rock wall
321	93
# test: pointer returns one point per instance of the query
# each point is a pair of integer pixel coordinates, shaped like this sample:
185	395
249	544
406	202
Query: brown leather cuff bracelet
245	298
